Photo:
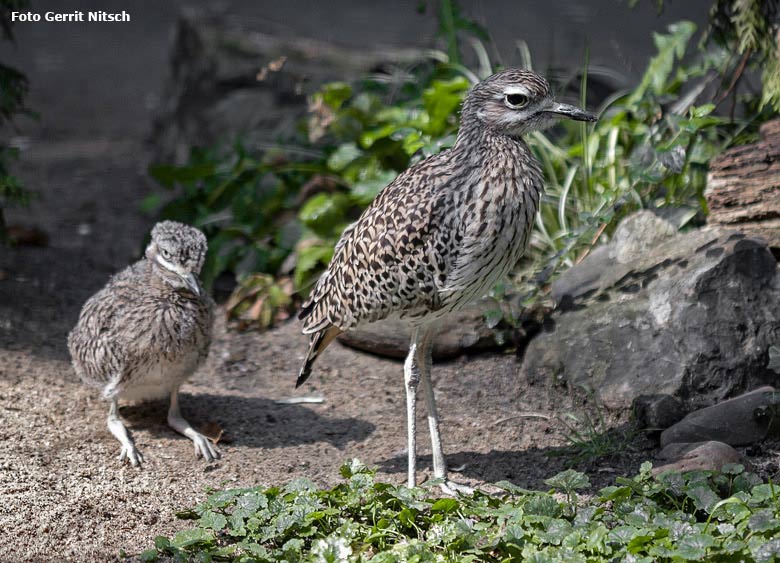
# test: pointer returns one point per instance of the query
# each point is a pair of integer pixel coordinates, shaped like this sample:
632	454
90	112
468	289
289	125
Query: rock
743	189
656	412
461	332
233	79
739	421
692	317
637	234
696	456
634	236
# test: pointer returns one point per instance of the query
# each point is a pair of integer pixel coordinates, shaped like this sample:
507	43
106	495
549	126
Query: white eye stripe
516	90
168	266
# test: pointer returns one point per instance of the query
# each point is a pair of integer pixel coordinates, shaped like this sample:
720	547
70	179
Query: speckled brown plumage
444	231
148	329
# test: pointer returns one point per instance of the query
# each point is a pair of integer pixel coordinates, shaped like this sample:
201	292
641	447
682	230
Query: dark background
105	78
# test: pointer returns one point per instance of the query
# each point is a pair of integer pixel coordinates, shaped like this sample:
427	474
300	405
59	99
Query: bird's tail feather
319	341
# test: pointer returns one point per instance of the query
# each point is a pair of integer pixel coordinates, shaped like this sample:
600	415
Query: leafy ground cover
727	516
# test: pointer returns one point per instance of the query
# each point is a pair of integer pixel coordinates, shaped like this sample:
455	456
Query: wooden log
743	186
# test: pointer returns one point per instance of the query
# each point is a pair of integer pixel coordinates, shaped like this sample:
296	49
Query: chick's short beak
572	112
192	283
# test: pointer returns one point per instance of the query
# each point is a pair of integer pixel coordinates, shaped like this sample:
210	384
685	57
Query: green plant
726	516
13	89
589	437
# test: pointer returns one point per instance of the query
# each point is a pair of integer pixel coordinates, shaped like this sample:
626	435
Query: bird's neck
480	143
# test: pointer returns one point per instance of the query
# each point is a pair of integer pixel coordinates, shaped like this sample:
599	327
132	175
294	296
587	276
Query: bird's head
516	101
177	251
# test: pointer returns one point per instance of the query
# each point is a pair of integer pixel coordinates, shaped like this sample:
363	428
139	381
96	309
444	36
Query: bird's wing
114	327
98	355
388	261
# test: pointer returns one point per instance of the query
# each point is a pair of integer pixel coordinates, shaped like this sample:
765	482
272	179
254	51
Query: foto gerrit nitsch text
97	16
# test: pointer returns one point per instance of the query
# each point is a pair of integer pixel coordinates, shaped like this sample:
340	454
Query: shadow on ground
253	422
529	467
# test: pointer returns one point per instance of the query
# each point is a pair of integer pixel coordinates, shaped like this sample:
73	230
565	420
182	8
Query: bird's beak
572	112
192	283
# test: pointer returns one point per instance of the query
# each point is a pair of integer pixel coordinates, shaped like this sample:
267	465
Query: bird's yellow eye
516	101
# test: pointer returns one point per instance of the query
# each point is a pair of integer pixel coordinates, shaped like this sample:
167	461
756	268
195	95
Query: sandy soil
63	492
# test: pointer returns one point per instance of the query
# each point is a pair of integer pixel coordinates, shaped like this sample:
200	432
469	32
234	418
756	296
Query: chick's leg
128	452
203	447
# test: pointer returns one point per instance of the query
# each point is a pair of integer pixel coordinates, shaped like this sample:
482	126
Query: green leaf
769	551
195	536
568	481
671	47
323	212
693	547
764	521
406	517
148	555
704	498
445	505
441	99
364	191
213	520
343	156
334	94
701	111
162	543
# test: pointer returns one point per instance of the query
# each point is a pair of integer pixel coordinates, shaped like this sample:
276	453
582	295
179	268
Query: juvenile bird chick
147	331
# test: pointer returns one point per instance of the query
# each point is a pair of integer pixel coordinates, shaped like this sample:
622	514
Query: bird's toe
132	455
204	449
454	489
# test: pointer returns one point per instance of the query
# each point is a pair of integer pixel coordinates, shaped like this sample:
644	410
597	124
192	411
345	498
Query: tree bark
743	187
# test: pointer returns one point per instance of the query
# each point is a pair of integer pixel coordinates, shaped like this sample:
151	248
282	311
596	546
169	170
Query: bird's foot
453	489
204	448
130	453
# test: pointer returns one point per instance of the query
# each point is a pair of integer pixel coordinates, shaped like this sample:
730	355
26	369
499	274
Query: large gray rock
740	421
691	316
464	331
232	78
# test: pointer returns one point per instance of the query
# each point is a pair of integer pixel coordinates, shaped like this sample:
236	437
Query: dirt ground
63	494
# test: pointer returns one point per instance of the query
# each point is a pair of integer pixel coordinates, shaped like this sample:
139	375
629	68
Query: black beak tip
585	116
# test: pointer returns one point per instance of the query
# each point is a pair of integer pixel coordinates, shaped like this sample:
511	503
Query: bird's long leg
424	351
439	464
129	452
411	380
176	421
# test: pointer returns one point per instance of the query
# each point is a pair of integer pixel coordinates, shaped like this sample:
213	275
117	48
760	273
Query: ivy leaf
568	481
445	505
213	520
192	537
769	551
693	547
345	154
764	521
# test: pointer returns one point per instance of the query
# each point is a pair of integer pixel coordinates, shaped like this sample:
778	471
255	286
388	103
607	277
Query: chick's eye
516	100
166	254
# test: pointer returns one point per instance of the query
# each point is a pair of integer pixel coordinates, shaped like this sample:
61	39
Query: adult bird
147	331
440	235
